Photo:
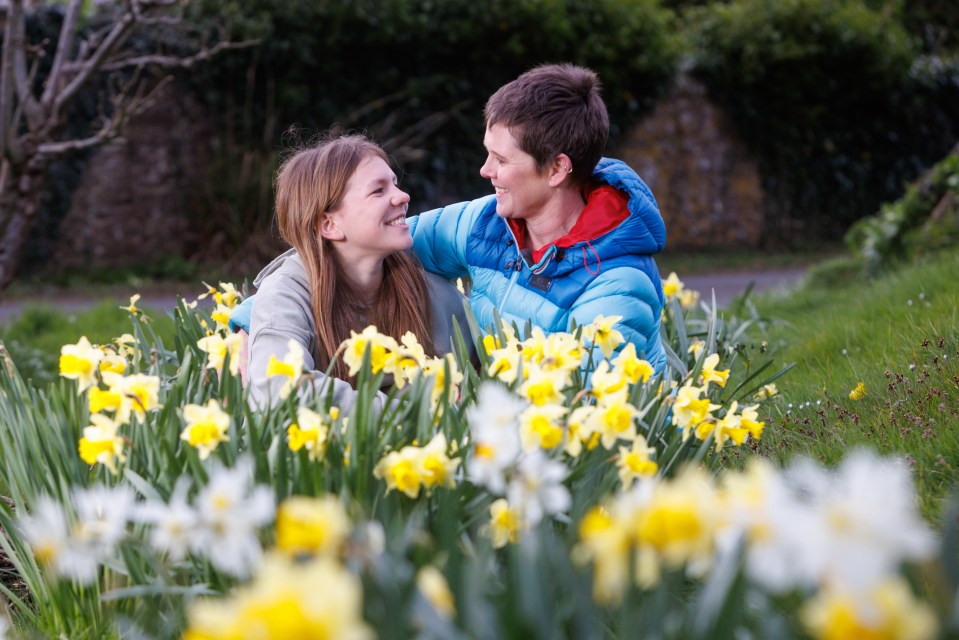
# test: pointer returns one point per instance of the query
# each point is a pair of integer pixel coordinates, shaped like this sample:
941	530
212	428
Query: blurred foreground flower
80	362
287	599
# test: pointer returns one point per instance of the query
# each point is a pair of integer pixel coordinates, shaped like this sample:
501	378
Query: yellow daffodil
505	524
112	362
100	443
541	426
602	334
604	381
287	599
767	391
228	296
139	393
132	308
290	367
690	408
311	525
431	583
561	351
436	467
543	387
126	345
636	462
406	361
218	348
631	367
504	364
101	400
696	347
401	471
221	316
676	526
688	298
80	362
604	541
437	368
379	345
577	431
672	286
613	419
888	611
709	372
310	431
206	427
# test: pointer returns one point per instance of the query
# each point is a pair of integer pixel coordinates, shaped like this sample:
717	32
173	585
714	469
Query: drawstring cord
599	261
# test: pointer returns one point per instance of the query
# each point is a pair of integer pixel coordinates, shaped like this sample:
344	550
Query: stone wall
707	185
134	198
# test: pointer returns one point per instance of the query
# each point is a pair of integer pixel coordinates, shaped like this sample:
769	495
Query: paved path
727	285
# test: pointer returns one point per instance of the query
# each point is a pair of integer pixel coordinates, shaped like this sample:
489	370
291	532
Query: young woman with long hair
340	208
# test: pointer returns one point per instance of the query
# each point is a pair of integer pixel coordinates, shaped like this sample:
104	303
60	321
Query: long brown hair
310	183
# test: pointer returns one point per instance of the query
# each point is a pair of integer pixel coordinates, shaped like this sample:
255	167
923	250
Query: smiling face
370	221
522	191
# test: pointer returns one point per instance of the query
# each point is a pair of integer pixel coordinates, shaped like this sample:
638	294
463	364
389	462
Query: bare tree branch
170	62
64	47
120	29
24	91
125	106
14	16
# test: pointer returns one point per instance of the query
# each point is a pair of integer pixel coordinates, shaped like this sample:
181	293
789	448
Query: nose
400	197
485	170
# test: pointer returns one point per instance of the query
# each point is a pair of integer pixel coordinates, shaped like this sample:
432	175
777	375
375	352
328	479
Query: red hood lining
606	207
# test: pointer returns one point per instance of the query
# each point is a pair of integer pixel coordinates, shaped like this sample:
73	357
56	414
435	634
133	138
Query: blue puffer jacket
612	274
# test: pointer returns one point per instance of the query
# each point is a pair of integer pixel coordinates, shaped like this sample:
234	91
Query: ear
327	228
558	172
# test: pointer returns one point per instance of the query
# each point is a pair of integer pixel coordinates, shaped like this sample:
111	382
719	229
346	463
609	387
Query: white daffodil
173	523
537	489
231	511
494	425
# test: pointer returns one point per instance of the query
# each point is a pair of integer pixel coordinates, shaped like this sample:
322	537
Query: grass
35	337
899	336
713	260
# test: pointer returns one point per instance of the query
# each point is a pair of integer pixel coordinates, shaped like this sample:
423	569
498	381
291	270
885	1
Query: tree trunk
20	189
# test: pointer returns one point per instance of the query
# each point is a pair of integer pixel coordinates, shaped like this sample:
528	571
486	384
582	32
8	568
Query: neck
555	219
364	276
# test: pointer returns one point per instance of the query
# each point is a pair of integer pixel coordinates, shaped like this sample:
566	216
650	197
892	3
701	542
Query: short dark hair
553	109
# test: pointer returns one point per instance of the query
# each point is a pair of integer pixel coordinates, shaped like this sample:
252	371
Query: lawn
898	335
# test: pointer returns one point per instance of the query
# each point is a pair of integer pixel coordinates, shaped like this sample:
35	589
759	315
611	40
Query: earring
569	169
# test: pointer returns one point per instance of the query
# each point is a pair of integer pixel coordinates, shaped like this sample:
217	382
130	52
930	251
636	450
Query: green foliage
34	339
416	75
898	335
831	96
923	221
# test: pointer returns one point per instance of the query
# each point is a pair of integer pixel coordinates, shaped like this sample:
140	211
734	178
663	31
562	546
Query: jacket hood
644	231
275	266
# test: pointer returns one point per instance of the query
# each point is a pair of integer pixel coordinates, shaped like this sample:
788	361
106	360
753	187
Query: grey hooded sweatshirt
282	310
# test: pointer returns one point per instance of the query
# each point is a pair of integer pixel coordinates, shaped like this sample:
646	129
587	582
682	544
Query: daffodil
675	525
310	431
888	610
101	443
287	599
437	369
543	387
636	462
633	368
604	381
206	427
436	467
614	419
80	362
541	426
433	586
690	408
604	541
401	471
602	334
406	361
311	525
672	286
112	362
380	347
696	347
578	432
132	308
505	524
221	316
709	372
103	400
126	345
228	296
767	391
218	348
290	367
139	393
